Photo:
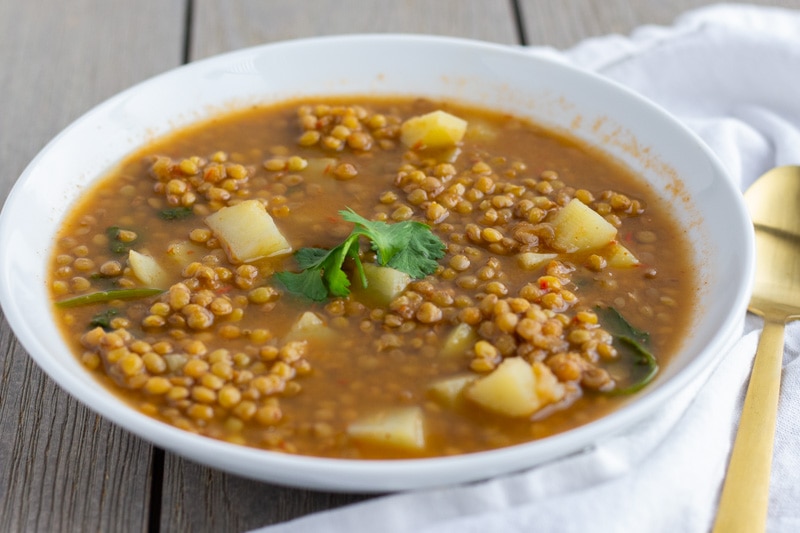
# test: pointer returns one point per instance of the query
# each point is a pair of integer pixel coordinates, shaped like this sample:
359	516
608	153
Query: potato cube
449	391
401	428
185	252
319	166
437	129
309	327
460	339
308	320
481	131
449	155
515	388
579	228
533	260
247	232
618	256
548	388
384	284
510	389
147	270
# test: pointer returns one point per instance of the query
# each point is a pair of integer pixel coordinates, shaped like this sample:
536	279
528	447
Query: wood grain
564	23
63	468
198	498
219	25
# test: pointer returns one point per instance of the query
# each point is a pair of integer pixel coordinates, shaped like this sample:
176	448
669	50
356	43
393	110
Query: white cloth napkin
732	74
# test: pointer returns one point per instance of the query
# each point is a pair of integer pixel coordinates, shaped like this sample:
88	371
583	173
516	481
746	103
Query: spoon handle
745	494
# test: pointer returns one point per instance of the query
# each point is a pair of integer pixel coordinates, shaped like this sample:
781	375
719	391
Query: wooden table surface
62	467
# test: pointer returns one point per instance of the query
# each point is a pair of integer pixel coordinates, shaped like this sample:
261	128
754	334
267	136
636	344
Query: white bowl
672	159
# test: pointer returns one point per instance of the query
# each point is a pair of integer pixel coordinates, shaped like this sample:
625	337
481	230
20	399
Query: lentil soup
557	283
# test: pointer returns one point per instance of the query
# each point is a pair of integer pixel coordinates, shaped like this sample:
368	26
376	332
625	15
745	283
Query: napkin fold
731	73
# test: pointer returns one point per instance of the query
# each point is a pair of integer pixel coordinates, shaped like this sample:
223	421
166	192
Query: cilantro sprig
408	246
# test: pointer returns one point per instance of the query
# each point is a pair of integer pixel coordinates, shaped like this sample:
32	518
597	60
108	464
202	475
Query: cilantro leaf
321	271
310	257
630	341
407	246
115	244
308	283
384	237
337	281
103	318
176	213
419	257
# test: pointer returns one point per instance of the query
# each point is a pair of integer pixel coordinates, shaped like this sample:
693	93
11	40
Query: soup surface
372	278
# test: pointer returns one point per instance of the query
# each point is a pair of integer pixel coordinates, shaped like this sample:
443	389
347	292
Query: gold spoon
774	205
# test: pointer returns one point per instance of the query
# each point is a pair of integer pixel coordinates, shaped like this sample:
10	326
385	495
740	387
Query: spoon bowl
773	202
774	205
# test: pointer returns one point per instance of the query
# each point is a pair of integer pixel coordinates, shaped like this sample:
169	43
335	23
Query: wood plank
61	466
197	498
220	26
562	24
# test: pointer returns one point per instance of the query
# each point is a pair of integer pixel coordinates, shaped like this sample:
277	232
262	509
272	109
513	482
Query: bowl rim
360	474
